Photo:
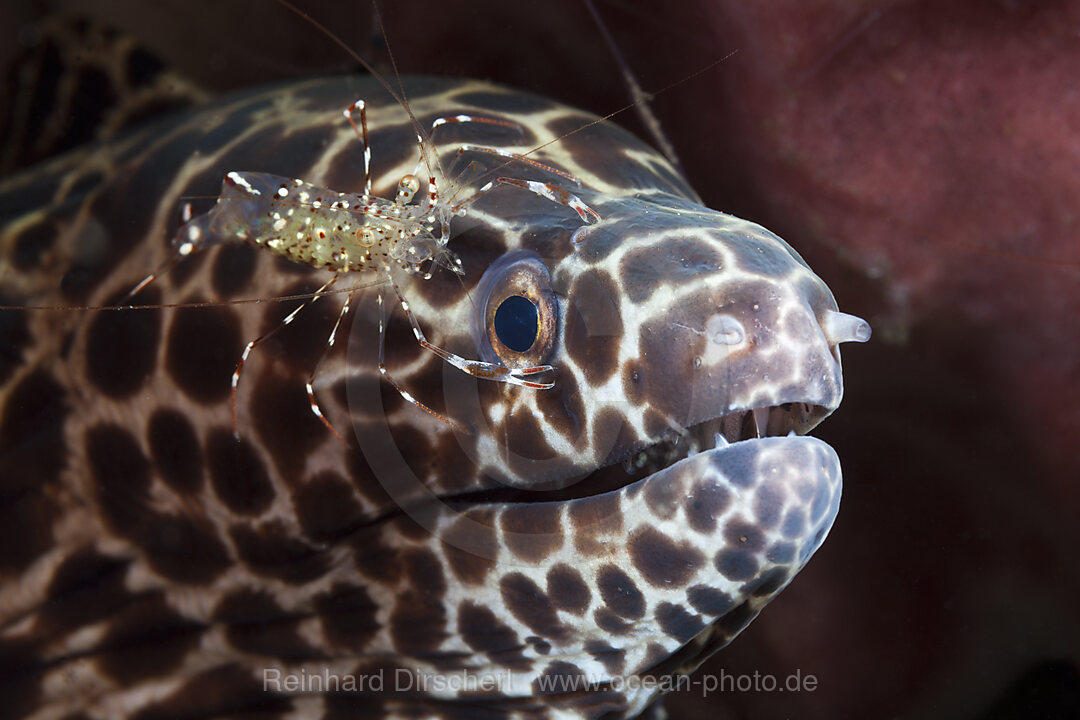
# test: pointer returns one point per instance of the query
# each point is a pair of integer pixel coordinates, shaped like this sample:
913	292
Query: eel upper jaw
738	426
792	418
741	425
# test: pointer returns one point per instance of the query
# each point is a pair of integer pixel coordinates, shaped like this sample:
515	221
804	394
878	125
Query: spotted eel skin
569	540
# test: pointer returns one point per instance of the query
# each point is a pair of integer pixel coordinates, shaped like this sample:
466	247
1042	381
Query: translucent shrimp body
343	232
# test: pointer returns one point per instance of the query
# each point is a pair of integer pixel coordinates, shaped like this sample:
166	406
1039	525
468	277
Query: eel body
546	554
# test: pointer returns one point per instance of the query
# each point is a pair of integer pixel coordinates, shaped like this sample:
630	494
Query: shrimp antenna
638	95
202	303
430	159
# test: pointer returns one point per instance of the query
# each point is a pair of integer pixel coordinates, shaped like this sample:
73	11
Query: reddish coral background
924	157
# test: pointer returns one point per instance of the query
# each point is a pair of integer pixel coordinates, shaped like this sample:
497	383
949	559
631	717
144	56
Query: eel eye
518	315
517	324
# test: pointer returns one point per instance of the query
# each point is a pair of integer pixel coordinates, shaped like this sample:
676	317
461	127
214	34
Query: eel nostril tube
840	328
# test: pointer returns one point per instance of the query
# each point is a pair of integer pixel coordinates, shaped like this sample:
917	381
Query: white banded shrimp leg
476	368
406	191
554	193
311	378
516	157
545	190
361	133
409	186
433	193
190	236
462	120
312	402
405	394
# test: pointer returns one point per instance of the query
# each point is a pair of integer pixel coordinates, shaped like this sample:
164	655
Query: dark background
924	157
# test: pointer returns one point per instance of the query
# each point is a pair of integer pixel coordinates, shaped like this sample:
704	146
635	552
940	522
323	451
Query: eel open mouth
772	421
786	419
737	426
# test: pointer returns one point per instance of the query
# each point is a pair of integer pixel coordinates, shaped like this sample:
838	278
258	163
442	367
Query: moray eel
532	563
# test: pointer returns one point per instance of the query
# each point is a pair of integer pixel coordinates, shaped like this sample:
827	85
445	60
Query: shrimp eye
407	187
517	324
517	321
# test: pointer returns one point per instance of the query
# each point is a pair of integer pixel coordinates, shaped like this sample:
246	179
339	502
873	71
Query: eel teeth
761	421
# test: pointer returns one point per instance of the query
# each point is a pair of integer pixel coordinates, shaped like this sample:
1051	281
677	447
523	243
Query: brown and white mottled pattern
154	567
95	82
